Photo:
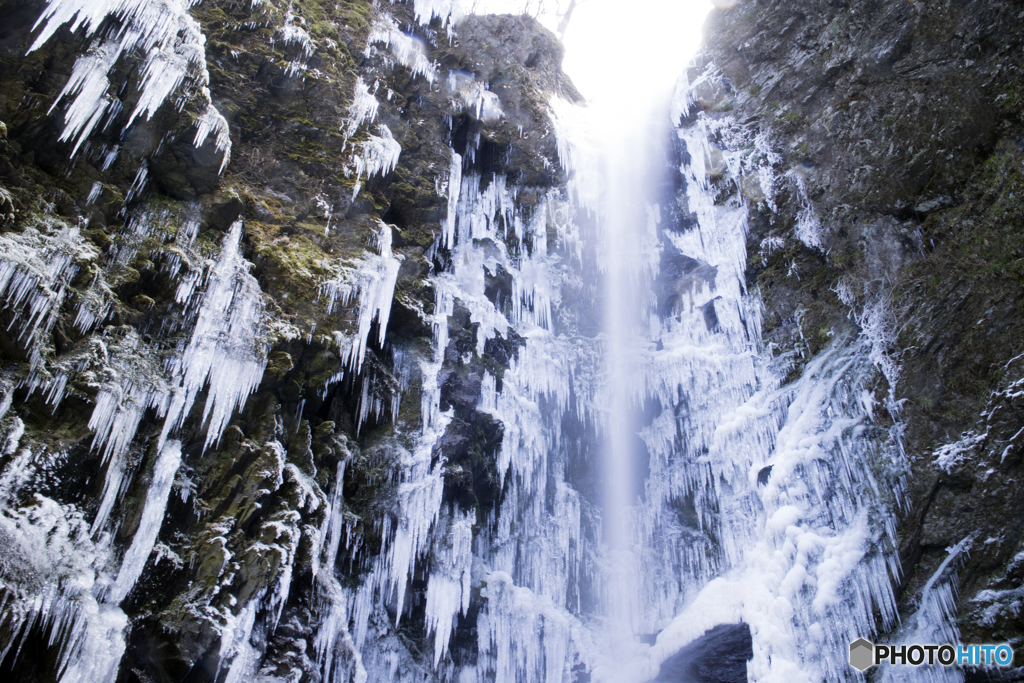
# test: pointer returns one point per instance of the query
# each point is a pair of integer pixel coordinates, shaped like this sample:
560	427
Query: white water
628	250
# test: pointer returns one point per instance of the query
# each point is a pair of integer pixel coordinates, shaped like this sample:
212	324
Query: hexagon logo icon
862	654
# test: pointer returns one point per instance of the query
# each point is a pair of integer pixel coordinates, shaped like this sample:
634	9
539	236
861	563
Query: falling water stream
628	218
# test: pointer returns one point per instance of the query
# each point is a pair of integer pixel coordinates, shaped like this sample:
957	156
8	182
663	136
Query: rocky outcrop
719	656
888	136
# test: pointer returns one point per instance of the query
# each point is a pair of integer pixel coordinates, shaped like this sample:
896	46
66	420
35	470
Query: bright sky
614	47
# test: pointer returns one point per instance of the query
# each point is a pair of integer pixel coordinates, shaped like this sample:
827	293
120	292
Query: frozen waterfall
676	404
659	471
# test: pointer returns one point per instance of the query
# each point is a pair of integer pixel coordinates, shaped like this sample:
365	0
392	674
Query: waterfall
629	220
653	470
803	555
675	402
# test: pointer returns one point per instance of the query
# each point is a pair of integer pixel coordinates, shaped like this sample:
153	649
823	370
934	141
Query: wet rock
718	656
710	314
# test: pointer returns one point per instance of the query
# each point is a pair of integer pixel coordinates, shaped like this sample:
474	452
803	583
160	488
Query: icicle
116	416
472	96
293	34
161	29
333	642
450	12
235	646
419	502
88	84
448	586
454	190
101	646
362	110
407	50
94	193
213	122
373	278
35	270
376	156
50	543
935	618
526	636
134	561
226	350
135	385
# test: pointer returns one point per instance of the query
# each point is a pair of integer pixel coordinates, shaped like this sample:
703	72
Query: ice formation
362	110
797	559
212	122
48	547
292	33
472	96
808	227
935	618
802	558
134	560
36	268
407	50
371	278
448	11
73	592
377	155
449	585
336	652
160	29
225	352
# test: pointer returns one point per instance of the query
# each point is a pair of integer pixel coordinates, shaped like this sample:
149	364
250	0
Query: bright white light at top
617	49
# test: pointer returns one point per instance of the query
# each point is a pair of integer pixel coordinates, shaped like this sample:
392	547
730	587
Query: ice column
134	560
225	351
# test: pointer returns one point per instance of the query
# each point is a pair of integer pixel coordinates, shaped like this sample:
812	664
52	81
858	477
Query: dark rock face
899	126
718	656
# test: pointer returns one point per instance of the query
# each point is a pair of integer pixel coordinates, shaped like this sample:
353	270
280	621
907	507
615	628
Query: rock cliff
218	226
893	137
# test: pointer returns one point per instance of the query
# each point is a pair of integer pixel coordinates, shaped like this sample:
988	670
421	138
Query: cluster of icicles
223	354
805	559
